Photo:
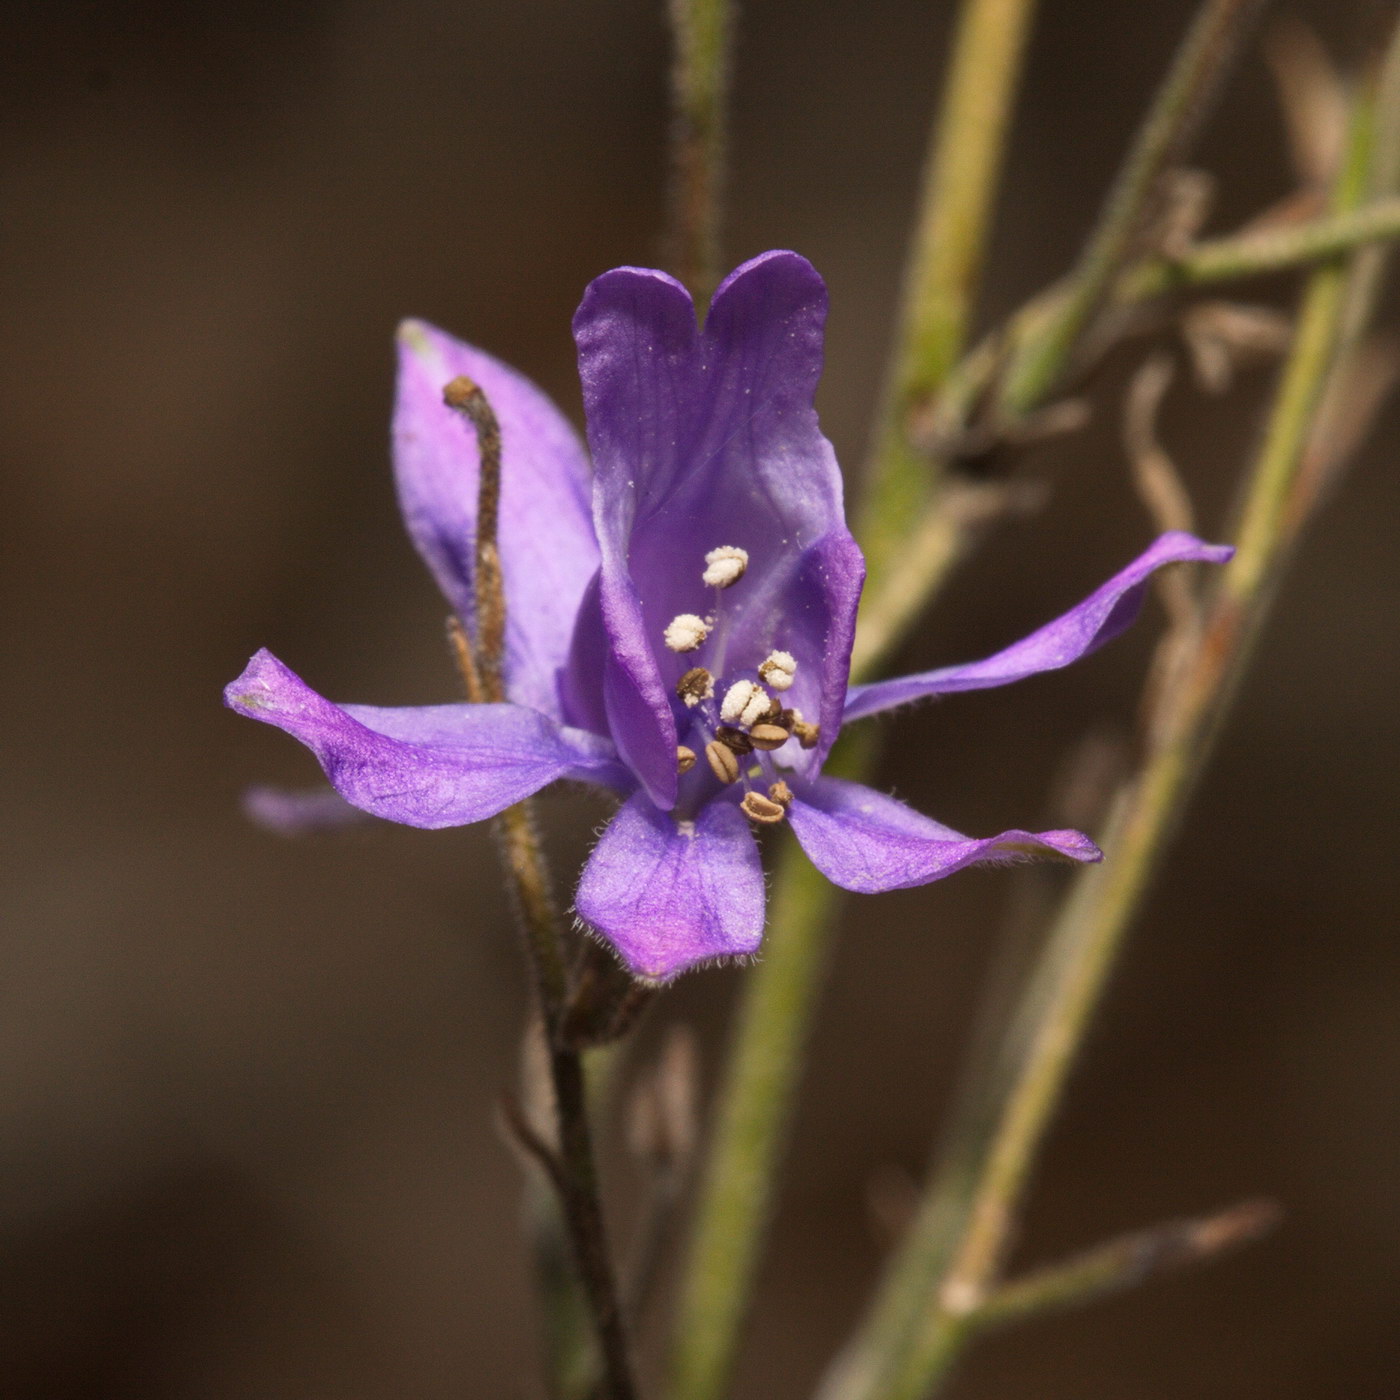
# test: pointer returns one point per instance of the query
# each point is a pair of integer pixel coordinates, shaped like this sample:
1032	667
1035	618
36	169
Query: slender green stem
966	154
754	1110
1252	255
1125	1263
756	1098
701	32
948	1269
1044	352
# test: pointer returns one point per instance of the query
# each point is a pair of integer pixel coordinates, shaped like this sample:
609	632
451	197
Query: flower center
742	732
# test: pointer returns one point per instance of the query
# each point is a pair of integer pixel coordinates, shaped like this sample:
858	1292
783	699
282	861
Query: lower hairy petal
670	894
867	842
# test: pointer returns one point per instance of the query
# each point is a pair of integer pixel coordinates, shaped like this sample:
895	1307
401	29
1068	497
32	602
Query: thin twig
1126	1263
1256	254
701	35
483	669
1043	356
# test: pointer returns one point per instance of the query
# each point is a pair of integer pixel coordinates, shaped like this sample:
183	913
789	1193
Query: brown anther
807	734
734	739
773	712
723	764
696	685
758	808
768	736
685	759
780	793
787	718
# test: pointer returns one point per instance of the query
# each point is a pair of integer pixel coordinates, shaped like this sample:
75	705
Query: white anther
779	669
744	703
686	632
725	566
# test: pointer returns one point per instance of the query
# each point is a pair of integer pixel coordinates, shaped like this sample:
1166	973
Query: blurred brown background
246	1086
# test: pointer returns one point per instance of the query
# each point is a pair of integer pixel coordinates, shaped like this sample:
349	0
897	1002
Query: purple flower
679	623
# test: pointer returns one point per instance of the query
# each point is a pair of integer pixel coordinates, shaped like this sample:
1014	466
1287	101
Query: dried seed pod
762	809
722	760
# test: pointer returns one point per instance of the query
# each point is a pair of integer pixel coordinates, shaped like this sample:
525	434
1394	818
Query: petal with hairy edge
430	766
667	894
1102	616
867	842
701	439
548	552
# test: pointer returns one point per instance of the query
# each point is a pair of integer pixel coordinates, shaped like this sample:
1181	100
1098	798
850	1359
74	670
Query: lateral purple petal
548	552
867	842
431	766
669	895
1106	613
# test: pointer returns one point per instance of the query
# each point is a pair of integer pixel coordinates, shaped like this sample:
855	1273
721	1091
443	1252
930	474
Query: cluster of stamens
750	720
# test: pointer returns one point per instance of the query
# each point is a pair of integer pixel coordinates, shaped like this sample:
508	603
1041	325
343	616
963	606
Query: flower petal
668	895
548	552
433	766
702	439
864	841
1102	616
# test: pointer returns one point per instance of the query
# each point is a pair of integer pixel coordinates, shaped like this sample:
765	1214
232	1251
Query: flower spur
686	641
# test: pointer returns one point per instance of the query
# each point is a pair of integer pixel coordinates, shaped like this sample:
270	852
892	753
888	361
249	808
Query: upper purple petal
864	841
702	439
432	766
1101	617
548	552
667	894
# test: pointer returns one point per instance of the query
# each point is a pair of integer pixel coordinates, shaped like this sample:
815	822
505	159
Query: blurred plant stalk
921	518
944	1282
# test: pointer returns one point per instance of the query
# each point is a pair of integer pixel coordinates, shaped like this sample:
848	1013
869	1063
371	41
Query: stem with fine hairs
701	34
573	1172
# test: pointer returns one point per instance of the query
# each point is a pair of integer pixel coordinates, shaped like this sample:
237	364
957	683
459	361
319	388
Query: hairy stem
701	36
574	1173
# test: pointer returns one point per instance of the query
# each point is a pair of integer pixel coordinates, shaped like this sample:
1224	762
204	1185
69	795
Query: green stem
948	1268
755	1101
701	32
1045	351
966	154
1124	1263
1252	255
750	1129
